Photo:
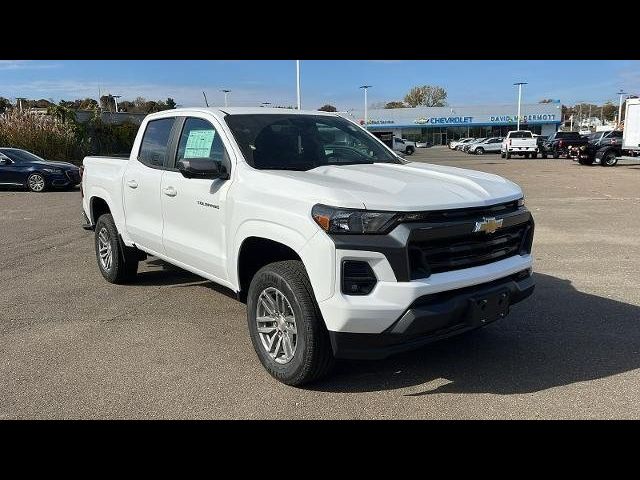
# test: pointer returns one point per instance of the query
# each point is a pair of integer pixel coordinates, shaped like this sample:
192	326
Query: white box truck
631	136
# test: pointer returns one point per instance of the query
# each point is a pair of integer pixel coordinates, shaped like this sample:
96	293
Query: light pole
621	93
519	84
298	82
226	92
115	100
366	112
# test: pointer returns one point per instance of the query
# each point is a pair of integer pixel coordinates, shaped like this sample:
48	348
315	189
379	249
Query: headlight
583	148
53	170
521	202
347	220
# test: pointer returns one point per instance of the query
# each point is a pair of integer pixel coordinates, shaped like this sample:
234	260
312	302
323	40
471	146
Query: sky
467	82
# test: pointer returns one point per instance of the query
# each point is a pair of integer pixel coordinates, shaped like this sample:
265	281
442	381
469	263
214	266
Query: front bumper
68	178
437	316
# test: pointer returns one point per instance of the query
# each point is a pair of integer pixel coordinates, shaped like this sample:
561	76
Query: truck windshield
520	134
302	142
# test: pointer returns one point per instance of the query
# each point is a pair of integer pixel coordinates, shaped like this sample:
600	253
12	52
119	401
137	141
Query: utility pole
519	84
366	112
621	93
115	100
226	92
298	82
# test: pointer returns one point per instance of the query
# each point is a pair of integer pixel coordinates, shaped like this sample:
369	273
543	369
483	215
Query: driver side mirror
202	168
5	161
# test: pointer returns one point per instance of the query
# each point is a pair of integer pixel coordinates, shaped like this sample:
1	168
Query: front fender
318	259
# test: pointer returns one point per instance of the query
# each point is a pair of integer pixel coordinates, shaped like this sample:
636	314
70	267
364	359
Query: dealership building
440	125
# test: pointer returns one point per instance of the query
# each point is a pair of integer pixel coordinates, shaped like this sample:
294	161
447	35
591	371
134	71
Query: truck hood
409	187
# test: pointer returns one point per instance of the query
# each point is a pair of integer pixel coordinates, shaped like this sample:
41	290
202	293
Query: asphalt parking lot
176	346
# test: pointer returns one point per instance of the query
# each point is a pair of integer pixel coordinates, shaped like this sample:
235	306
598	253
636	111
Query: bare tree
427	96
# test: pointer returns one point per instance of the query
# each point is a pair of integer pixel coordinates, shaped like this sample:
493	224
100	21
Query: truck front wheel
409	151
609	159
117	263
285	324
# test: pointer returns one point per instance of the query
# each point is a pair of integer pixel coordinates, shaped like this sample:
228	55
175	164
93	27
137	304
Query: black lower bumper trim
435	317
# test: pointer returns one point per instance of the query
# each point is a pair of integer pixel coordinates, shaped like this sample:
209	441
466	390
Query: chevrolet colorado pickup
339	247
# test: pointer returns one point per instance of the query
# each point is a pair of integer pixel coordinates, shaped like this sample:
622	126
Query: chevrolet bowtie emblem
488	225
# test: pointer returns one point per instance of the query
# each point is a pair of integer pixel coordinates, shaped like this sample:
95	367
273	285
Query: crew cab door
193	208
141	185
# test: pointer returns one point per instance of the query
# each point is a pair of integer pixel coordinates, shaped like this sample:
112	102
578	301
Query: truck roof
223	111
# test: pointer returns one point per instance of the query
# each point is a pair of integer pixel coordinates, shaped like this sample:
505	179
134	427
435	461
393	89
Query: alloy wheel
36	182
104	249
276	324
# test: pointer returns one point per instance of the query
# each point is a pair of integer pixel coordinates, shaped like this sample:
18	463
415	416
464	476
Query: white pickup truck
519	142
339	247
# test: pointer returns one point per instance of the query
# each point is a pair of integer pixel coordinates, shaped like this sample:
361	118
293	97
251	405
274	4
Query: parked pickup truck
339	247
405	146
519	142
560	143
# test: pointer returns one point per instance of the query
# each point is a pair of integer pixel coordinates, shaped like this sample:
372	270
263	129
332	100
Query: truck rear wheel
609	159
117	263
409	151
285	324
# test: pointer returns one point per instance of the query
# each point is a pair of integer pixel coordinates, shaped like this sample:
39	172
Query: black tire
526	155
313	357
556	154
36	178
479	151
544	155
124	260
534	155
409	151
508	155
609	159
502	155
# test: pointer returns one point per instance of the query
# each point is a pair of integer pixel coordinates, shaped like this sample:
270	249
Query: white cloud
25	64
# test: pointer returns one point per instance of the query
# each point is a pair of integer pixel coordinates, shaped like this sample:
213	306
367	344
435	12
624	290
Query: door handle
170	192
132	184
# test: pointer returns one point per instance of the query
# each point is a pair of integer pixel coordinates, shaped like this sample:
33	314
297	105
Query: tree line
107	104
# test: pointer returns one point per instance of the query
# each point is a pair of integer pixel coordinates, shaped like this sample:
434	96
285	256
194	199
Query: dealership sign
378	122
442	120
523	118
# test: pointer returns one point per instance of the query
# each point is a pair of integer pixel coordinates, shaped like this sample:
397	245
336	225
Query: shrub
60	137
44	135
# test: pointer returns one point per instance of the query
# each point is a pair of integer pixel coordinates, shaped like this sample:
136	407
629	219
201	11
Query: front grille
467	250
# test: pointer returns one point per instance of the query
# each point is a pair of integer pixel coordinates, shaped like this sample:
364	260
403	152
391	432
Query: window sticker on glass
199	143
